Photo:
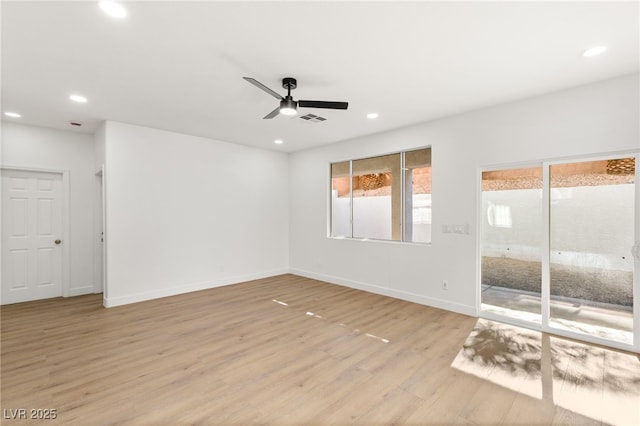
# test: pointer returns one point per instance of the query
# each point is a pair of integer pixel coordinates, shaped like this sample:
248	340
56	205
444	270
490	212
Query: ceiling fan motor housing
288	102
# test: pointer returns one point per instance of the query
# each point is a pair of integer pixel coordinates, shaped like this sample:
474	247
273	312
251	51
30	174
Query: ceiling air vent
313	118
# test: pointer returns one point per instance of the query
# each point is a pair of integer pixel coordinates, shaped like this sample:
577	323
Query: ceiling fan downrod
288	106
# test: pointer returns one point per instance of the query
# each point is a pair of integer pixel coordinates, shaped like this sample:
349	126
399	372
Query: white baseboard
398	294
110	302
79	291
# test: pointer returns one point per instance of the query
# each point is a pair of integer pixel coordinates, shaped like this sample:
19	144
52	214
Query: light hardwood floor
291	350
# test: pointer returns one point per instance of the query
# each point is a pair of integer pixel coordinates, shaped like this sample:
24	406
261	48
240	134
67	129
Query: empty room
320	212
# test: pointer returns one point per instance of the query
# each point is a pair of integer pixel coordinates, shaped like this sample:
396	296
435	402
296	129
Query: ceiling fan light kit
287	105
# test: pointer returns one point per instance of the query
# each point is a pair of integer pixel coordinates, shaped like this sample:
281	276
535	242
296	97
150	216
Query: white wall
99	146
43	148
186	213
588	120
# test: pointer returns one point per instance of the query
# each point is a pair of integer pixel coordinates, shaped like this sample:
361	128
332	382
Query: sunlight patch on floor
595	382
355	330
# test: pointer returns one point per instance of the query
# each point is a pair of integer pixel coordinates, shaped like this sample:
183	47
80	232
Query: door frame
65	217
99	232
545	251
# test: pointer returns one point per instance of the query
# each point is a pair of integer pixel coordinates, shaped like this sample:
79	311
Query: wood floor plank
293	350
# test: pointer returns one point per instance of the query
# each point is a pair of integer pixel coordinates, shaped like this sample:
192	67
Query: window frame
403	213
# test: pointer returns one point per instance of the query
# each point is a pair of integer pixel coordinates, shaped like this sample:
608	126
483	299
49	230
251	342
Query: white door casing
32	235
99	234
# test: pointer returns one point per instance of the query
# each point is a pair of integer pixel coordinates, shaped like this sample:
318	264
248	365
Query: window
383	198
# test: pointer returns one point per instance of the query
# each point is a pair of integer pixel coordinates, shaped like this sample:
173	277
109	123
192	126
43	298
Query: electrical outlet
445	285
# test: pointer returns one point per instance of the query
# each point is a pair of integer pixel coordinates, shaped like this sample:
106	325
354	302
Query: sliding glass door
556	247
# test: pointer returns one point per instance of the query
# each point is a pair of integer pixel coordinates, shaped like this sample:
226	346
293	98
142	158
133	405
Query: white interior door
31	235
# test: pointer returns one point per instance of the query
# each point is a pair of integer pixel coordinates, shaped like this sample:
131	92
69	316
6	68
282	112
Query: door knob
58	241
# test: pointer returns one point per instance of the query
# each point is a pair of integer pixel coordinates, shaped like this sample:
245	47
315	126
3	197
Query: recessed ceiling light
278	141
114	9
78	98
372	115
12	114
594	51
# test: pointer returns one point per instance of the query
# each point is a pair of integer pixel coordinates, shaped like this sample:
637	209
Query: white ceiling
179	65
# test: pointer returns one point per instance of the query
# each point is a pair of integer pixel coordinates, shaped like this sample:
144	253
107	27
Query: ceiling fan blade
263	87
272	113
323	104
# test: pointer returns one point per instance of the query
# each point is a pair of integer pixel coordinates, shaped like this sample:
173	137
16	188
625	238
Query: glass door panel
591	222
511	243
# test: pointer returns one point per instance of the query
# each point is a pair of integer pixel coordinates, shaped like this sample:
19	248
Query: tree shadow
519	351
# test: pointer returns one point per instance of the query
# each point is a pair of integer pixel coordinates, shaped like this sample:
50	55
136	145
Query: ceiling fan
287	105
